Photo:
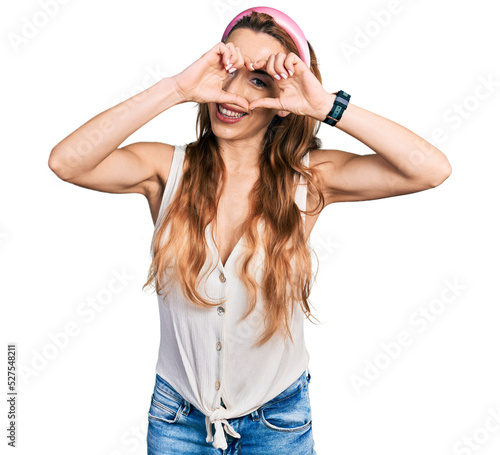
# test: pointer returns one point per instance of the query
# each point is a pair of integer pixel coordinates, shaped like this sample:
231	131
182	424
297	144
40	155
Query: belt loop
308	375
187	408
255	415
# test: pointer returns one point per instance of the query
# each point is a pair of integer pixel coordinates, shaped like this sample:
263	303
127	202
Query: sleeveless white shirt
207	354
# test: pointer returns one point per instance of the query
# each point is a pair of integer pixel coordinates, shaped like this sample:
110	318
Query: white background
381	262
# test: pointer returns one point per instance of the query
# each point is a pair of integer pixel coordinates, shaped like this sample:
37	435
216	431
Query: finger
270	67
259	64
232	59
240	61
291	61
215	54
268	103
232	98
248	63
223	52
279	65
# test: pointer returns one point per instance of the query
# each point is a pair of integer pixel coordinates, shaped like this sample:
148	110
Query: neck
240	157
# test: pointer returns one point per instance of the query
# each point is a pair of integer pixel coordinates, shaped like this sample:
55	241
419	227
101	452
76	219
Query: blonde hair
194	206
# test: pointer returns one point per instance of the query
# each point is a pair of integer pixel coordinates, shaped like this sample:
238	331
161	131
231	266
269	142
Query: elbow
440	173
56	167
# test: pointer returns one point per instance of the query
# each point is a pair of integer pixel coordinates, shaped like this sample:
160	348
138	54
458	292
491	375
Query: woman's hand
202	81
300	92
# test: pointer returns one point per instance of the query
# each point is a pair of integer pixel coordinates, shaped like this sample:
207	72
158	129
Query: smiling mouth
227	113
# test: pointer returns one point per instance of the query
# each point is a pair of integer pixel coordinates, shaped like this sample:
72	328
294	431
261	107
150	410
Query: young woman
231	260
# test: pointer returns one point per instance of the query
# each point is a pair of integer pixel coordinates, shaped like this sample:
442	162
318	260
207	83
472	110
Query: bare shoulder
325	160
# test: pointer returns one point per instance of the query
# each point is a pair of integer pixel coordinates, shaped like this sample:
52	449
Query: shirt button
217	385
219	346
220	310
222	278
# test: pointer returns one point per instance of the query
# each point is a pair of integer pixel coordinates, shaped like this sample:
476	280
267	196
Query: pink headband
284	21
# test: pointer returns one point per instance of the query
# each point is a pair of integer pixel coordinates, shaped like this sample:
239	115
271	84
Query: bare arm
89	156
403	163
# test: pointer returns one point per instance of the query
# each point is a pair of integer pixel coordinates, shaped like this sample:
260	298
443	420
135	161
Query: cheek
265	117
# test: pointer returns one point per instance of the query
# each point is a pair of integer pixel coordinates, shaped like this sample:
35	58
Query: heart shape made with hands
300	92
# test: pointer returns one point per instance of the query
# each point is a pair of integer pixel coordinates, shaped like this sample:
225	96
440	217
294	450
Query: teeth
230	114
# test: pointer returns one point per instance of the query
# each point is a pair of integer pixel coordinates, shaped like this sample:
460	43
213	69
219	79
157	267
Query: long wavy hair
194	205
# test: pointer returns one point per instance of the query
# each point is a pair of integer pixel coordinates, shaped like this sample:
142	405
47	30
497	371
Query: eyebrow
263	73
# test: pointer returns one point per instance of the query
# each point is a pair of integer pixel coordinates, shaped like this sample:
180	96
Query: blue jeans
282	426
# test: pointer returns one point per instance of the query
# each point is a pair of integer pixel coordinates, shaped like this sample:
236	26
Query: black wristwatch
338	108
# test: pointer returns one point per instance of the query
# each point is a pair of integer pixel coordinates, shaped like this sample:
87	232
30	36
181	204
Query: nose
234	83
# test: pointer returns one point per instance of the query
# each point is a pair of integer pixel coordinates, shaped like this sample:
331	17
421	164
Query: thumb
232	98
268	103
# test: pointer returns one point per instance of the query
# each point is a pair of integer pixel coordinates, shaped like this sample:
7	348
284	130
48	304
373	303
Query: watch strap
338	108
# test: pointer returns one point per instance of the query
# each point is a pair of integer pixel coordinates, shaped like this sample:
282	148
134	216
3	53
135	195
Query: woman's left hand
300	92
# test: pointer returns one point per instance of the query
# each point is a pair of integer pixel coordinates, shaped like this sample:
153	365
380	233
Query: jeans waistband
290	390
165	387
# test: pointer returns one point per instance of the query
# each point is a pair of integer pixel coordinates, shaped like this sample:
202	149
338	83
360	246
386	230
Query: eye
259	83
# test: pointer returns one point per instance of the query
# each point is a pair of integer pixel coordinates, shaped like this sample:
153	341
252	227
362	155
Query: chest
233	208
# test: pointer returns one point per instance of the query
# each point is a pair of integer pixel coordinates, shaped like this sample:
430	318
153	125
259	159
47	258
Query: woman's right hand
202	81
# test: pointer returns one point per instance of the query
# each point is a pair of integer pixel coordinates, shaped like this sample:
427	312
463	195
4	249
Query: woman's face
250	85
